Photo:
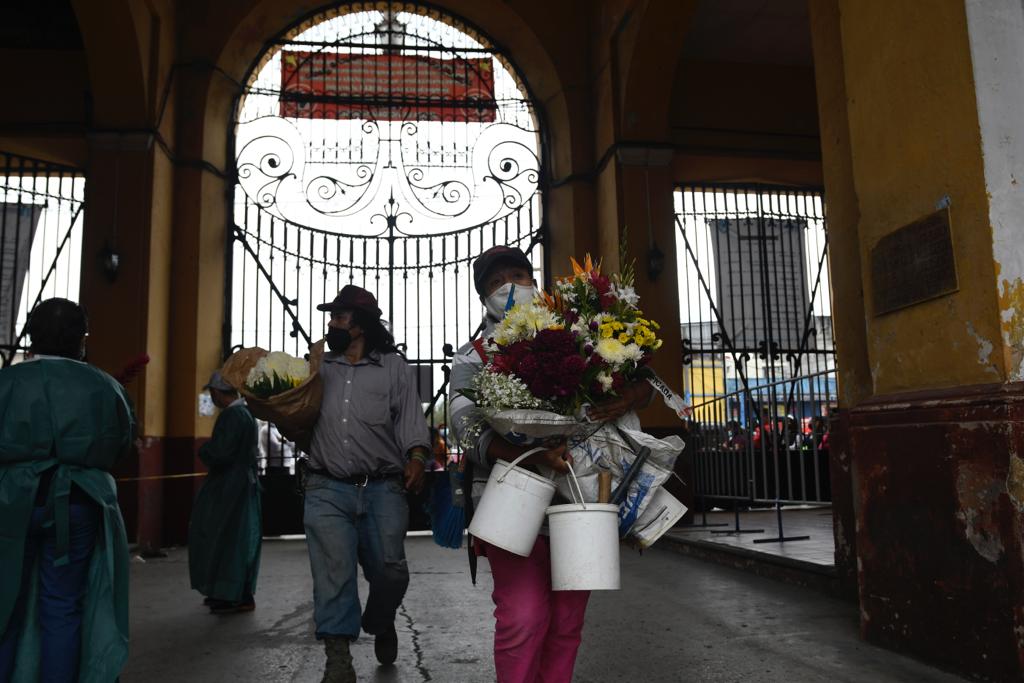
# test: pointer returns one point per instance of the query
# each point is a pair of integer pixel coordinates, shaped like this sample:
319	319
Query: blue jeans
346	524
60	597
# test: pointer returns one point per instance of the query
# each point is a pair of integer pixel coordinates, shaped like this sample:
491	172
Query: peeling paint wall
940	530
996	29
977	498
916	144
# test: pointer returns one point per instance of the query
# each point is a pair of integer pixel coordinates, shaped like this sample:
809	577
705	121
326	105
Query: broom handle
604	487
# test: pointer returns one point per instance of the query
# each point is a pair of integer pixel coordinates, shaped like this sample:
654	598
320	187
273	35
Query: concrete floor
814	522
676	619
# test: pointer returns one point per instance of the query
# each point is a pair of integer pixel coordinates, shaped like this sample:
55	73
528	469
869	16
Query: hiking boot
385	646
339	661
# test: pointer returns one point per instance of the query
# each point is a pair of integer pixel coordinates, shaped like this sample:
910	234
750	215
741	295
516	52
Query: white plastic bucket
584	546
511	511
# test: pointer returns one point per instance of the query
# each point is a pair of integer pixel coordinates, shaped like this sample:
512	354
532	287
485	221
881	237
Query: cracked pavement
676	619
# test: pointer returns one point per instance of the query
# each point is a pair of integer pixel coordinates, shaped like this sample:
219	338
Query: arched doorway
385	145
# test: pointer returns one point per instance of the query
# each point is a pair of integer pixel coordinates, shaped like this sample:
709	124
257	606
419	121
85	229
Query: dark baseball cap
352	298
494	256
218	382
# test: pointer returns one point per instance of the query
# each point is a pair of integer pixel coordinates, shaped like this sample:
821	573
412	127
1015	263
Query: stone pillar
127	307
909	104
646	222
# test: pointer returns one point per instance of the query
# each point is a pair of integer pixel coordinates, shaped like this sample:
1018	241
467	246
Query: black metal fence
41	215
385	145
771	459
758	350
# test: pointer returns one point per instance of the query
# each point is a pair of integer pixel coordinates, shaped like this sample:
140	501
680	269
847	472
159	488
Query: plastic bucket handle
518	460
578	491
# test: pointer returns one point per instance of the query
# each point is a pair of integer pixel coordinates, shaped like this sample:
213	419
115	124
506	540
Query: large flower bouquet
550	358
279	388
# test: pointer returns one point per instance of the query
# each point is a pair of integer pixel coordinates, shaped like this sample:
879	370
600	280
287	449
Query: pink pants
538	630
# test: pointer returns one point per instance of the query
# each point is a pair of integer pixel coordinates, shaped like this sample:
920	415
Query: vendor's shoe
385	646
223	607
339	661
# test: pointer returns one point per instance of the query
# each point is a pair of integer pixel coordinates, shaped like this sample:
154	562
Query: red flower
601	283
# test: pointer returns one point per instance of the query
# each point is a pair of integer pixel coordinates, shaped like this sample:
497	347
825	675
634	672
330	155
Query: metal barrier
773	459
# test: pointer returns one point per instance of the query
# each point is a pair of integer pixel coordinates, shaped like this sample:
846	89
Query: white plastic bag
662	512
610	448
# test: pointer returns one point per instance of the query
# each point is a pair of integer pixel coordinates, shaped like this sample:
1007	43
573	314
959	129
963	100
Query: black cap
500	254
353	298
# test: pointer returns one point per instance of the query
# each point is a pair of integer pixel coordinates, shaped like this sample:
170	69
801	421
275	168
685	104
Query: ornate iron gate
42	208
758	351
383	144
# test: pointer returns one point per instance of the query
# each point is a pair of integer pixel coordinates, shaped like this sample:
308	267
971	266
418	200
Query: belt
356	479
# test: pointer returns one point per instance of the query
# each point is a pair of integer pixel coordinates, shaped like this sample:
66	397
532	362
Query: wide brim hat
352	298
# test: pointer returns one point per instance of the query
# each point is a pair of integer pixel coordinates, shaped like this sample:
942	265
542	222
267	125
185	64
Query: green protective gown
224	532
59	413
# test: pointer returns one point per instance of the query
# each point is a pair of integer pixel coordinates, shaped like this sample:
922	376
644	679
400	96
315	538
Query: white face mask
507	296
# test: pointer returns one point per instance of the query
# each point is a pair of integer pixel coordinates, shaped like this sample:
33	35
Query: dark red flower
601	283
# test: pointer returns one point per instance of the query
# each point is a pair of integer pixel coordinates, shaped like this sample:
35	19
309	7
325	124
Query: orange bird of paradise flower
588	267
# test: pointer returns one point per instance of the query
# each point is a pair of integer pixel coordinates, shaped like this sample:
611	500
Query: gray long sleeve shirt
370	416
466	364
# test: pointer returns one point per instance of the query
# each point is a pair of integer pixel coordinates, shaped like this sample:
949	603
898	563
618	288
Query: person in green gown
224	531
63	549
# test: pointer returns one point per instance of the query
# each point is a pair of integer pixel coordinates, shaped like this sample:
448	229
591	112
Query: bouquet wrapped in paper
279	388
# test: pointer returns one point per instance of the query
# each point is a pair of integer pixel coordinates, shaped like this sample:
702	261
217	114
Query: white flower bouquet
280	388
276	373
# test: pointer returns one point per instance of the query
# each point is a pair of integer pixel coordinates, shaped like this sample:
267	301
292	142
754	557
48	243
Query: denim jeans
60	597
346	524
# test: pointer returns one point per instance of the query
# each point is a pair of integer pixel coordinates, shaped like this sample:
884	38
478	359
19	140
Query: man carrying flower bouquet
225	530
370	444
537	629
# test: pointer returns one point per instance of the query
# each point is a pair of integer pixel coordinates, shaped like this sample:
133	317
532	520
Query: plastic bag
533	427
611	448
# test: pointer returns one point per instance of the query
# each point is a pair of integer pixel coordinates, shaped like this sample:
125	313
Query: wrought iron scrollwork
339	195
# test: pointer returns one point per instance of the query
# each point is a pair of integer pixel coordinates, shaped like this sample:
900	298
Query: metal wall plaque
913	264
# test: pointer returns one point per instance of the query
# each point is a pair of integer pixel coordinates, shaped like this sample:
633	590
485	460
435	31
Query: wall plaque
913	264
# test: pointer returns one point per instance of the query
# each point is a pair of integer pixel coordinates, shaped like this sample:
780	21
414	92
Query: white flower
626	294
287	368
523	321
504	392
634	352
605	378
612	350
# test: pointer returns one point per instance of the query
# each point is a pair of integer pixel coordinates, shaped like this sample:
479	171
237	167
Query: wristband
418	455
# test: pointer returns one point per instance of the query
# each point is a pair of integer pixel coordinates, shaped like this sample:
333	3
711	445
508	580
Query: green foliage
265	387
